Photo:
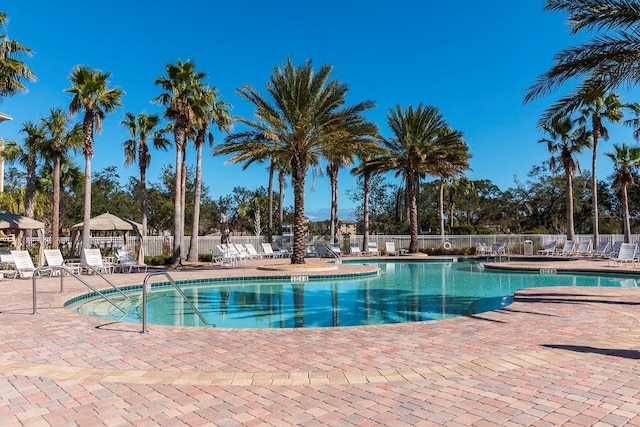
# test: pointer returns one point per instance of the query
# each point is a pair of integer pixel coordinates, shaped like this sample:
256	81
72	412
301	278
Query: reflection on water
405	292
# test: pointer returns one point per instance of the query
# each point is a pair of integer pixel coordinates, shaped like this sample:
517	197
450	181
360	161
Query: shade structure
110	222
13	221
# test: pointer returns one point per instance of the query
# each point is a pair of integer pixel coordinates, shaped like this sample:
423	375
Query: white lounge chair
567	249
126	262
614	250
391	248
94	261
372	249
482	249
54	258
24	264
269	252
226	257
251	250
335	248
626	256
7	266
584	248
355	250
549	248
601	249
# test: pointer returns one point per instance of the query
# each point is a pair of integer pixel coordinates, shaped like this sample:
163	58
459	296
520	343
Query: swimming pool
403	292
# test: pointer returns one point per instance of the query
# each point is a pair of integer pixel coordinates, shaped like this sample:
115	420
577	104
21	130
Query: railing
146	286
62	269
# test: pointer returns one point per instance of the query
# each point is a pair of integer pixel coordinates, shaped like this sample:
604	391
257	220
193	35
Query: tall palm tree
369	152
181	86
27	156
307	112
142	128
421	140
61	138
625	160
92	95
609	59
564	143
209	110
13	71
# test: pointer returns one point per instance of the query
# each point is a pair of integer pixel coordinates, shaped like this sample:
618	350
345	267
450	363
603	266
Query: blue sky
472	59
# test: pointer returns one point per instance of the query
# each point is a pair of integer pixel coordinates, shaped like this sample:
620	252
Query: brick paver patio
557	356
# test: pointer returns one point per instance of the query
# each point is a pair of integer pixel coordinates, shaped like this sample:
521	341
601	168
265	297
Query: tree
27	156
141	128
13	71
61	138
209	109
306	113
91	95
421	140
563	143
625	160
181	86
607	60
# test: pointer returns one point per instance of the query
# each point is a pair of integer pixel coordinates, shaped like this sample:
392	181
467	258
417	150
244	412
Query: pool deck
557	356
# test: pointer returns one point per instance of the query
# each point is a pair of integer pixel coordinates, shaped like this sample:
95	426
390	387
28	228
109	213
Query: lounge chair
355	250
284	252
269	252
126	262
24	264
482	249
372	249
94	261
626	256
615	249
7	266
391	248
600	250
251	250
567	249
224	256
583	248
549	249
54	258
335	248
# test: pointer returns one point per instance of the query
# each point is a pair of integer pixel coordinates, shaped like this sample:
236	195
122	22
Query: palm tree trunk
413	215
55	205
626	225
366	187
571	234
594	191
143	199
441	209
179	137
272	168
30	190
333	178
87	128
195	229
298	176
281	183
183	195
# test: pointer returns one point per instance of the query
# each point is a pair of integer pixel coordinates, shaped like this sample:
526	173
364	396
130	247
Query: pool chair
54	259
567	249
354	250
335	248
284	252
372	249
548	249
600	250
223	255
126	262
7	266
391	248
583	248
95	263
251	250
269	252
614	250
482	249
627	255
24	265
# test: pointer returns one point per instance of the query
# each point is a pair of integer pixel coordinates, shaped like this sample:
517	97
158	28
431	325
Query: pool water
403	292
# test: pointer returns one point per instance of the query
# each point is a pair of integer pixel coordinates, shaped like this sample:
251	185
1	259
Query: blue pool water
403	292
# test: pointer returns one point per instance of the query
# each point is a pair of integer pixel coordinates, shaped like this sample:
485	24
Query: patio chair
269	252
613	252
95	263
567	249
391	248
284	252
24	264
126	262
372	249
355	250
251	250
549	249
54	258
225	256
601	249
7	266
626	256
583	248
482	249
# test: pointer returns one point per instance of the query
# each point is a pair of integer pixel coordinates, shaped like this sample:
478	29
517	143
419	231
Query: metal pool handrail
146	286
72	273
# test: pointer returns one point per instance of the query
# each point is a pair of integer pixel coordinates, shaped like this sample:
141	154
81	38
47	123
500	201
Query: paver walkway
557	356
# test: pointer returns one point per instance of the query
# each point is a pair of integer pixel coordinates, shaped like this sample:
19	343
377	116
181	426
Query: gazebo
110	222
18	225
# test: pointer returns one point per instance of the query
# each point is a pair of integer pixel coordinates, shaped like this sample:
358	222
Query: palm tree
462	187
27	156
369	152
60	139
209	110
141	128
563	143
625	160
421	139
181	87
13	72
91	95
608	60
307	113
